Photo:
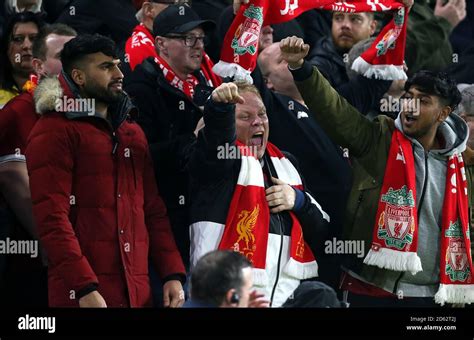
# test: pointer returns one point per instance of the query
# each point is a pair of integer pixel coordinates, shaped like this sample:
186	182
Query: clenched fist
293	51
227	93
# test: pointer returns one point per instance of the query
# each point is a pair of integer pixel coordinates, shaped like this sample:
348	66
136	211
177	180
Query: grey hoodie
430	170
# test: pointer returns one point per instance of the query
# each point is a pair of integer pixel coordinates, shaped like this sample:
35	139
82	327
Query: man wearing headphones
223	279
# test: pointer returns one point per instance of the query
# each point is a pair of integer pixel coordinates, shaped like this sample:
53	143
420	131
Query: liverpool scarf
247	225
187	86
395	237
139	46
384	59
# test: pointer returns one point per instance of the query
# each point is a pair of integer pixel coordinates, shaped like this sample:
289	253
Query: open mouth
257	139
410	119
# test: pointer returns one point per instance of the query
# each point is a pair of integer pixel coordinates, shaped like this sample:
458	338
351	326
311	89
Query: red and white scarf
248	220
187	86
139	46
384	59
395	237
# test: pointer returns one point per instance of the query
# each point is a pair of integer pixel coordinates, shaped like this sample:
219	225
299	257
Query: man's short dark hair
438	84
39	45
215	274
75	50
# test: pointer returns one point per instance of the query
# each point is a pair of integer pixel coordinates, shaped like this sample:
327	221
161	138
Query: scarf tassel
460	294
236	71
385	72
301	271
394	260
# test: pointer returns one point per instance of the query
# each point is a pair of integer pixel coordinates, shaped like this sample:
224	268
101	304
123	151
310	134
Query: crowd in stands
131	162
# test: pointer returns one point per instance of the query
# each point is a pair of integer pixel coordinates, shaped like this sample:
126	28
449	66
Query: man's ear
160	45
446	110
38	66
147	8
78	76
373	27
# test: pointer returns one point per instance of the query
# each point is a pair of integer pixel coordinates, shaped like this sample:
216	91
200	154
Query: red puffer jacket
96	203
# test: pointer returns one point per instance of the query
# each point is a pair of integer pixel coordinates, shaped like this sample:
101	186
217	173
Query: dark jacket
428	46
96	203
213	181
363	93
115	19
370	142
168	119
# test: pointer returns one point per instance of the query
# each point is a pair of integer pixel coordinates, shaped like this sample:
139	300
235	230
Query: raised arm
342	122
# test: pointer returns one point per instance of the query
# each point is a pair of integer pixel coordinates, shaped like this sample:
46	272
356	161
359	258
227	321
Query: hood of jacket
55	94
454	131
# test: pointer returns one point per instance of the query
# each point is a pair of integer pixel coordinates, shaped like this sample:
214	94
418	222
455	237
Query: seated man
249	197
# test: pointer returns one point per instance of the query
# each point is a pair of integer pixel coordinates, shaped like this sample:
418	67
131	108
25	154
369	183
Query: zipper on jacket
267	161
279	259
422	197
115	143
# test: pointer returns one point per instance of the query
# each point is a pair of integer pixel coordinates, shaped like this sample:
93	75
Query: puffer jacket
95	201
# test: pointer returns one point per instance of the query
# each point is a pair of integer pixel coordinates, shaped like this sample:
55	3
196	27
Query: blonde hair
246	87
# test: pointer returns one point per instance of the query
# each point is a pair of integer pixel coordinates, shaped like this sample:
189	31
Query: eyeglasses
190	40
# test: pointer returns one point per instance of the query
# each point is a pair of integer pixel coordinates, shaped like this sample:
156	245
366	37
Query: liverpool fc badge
397	223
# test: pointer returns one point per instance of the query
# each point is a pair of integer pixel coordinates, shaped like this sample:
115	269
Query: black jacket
168	119
115	19
363	93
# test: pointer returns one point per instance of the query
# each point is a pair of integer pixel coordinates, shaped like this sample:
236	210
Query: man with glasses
164	89
141	44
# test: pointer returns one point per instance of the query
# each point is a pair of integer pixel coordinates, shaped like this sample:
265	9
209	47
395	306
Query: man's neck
181	75
148	24
101	109
431	141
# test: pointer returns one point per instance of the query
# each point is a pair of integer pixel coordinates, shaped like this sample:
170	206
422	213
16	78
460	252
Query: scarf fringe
232	70
386	72
301	271
260	277
455	293
394	260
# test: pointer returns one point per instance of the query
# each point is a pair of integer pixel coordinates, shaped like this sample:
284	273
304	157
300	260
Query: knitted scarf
384	59
395	237
247	225
187	86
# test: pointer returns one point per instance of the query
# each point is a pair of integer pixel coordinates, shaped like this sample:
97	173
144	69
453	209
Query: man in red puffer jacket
95	199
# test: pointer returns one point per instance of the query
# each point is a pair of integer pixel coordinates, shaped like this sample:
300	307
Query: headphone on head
235	298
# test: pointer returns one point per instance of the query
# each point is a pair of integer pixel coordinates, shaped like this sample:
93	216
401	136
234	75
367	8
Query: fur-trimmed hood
46	95
52	92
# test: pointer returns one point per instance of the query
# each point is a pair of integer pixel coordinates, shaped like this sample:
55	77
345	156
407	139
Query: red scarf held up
395	237
384	59
247	225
